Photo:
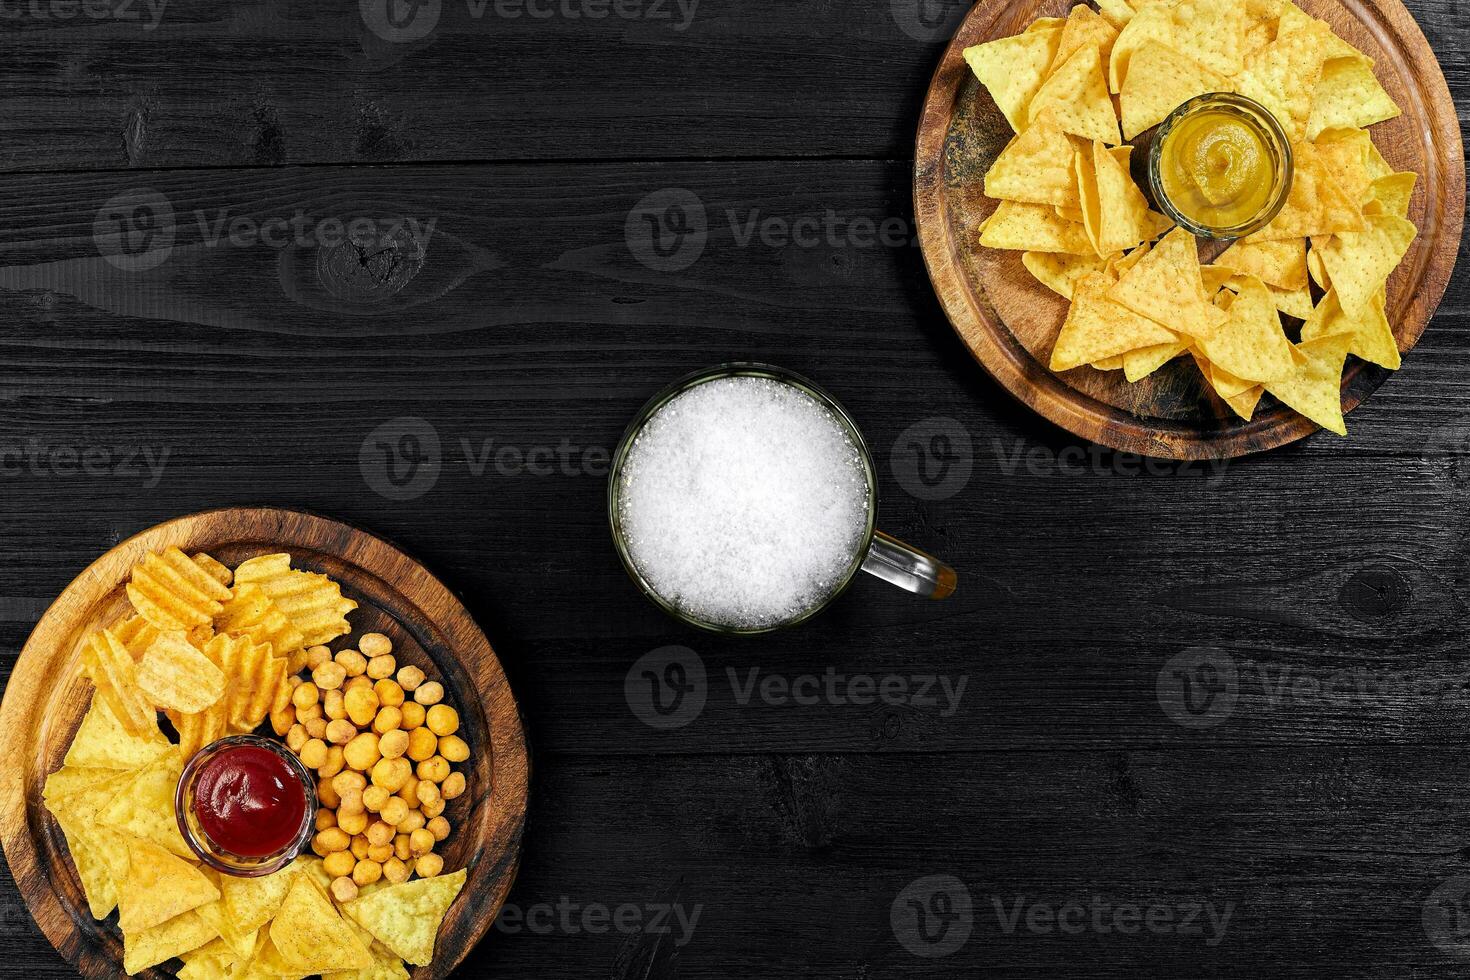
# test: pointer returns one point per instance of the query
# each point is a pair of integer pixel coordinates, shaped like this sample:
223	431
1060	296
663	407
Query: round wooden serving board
46	698
1009	321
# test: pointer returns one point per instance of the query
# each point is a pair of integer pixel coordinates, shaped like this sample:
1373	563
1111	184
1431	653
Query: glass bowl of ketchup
246	806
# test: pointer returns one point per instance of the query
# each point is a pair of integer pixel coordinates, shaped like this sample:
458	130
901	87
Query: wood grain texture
46	698
1009	321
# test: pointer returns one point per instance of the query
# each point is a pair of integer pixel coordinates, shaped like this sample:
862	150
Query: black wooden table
1179	721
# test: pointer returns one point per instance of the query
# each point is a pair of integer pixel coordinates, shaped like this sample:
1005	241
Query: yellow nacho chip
406	917
1139	364
1013	68
252	902
1116	12
1293	302
1160	80
1359	263
1282	75
149	947
1033	228
1123	215
176	676
1315	205
1391	194
1151	23
1212	33
1251	344
1244	404
1085	28
1344	154
103	743
87	857
311	936
1077	95
1349	95
173	592
313	602
1369	334
1314	266
1036	167
1280	263
1315	389
1059	272
1167	287
1097	328
160	886
144	808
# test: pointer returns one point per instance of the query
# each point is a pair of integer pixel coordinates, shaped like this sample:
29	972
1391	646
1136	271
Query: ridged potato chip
313	602
115	675
174	592
250	612
177	677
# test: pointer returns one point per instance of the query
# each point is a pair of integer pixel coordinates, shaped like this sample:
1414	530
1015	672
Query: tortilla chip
1314	266
87	857
1085	28
1139	364
1097	328
1359	263
1251	344
1348	95
252	902
158	887
1315	205
1166	286
1116	12
1212	32
1151	23
69	780
311	936
1369	334
1013	68
1058	272
145	807
149	947
1036	167
103	743
1282	75
1077	94
406	917
1244	404
1391	195
1033	228
1344	153
1292	302
1315	389
212	961
1280	263
1160	80
1124	218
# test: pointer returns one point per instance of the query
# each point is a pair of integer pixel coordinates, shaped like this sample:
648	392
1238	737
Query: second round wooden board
1009	321
46	699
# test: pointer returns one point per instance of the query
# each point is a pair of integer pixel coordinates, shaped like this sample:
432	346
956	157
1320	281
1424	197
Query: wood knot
1375	592
374	269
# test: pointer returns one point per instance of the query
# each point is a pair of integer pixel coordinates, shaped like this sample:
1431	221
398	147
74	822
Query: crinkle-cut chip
177	677
1349	95
253	676
136	634
103	743
1359	263
149	947
1315	206
159	887
115	675
1315	389
1160	79
200	729
1150	24
311	936
1077	94
86	856
1097	328
1244	404
215	569
406	918
1058	272
1033	228
250	612
145	807
1036	166
1139	364
1369	334
1283	75
1251	343
1085	28
313	602
1280	263
1214	33
173	592
1013	68
1167	287
1124	218
1391	195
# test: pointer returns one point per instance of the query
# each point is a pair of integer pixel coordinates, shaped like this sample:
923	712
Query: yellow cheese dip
1222	165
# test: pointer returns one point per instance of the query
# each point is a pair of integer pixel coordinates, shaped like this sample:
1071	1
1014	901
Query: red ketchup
249	801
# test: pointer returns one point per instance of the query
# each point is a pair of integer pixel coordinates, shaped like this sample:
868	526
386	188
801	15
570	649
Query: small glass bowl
1277	145
216	857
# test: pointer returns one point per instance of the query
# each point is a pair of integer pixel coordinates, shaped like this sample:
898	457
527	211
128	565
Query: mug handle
909	568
